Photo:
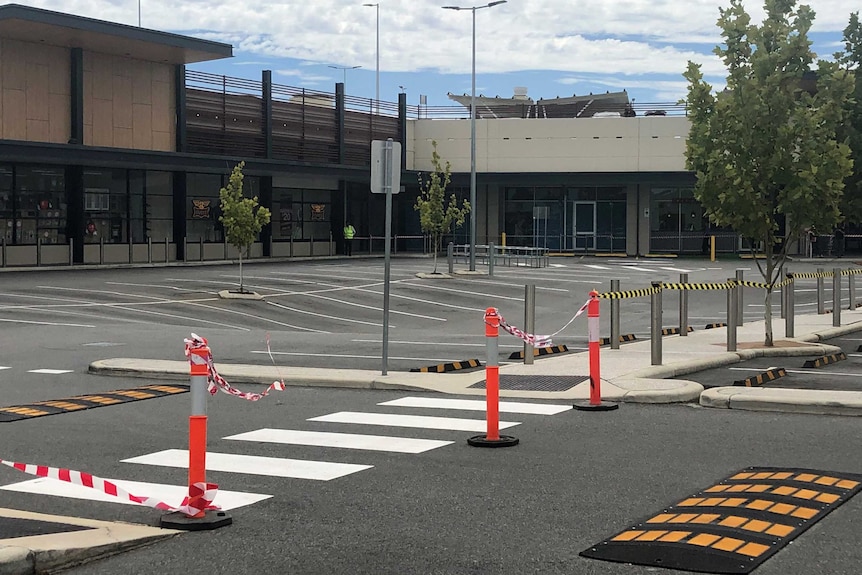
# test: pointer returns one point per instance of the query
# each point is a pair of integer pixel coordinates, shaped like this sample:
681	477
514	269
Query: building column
181	140
76	92
75	221
339	121
266	201
266	82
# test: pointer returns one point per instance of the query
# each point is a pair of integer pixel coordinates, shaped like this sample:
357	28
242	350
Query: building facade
112	150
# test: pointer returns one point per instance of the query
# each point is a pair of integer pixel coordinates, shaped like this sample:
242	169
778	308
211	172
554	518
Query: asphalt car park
840	375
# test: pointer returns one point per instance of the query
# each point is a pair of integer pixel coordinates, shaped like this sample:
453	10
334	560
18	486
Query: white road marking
351	356
595	267
50	371
47	323
2	367
253	465
434	343
170	494
461	291
341	440
414	421
477	405
336	318
680	270
557	265
518	286
650	270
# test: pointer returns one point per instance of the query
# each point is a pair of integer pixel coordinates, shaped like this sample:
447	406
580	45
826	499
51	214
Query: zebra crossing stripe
596	267
414	421
253	465
50	371
341	440
2	367
226	500
478	405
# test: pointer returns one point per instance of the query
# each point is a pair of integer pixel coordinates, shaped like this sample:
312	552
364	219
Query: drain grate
536	382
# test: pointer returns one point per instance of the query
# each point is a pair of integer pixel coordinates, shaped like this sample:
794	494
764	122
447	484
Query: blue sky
551	47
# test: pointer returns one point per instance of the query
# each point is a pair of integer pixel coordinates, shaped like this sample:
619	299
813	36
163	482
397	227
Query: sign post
386	179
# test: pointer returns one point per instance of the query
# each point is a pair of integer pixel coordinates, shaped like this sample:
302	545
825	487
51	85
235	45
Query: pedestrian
349	233
812	241
839	240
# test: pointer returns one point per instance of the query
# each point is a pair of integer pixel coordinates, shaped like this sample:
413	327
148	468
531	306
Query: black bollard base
483	441
601	406
211	520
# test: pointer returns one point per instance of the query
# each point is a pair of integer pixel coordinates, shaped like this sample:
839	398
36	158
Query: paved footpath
627	376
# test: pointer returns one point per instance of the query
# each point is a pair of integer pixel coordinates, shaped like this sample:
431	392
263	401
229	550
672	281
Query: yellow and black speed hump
444	367
733	526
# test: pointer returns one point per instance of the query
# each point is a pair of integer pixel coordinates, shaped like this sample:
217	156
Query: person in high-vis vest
349	232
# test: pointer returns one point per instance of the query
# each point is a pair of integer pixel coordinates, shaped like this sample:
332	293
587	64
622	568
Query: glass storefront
676	221
33	204
301	214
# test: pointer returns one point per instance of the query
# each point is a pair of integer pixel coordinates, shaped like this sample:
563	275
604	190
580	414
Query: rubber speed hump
732	526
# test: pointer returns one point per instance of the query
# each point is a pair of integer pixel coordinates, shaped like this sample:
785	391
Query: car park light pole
473	130
376	6
345	69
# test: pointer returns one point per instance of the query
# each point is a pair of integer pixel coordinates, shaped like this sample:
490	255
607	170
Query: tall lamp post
345	69
377	77
473	131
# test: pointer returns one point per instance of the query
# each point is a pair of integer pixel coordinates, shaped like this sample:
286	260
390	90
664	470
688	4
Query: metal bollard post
167	250
450	257
491	258
131	251
529	319
185	248
370	241
836	297
101	250
739	319
821	305
782	301
851	288
71	251
3	252
291	245
149	250
330	244
492	388
788	312
38	251
615	316
732	305
311	245
201	249
683	307
655	332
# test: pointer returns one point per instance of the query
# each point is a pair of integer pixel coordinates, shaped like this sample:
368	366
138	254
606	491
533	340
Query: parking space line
46	323
357	356
437	343
461	291
332	317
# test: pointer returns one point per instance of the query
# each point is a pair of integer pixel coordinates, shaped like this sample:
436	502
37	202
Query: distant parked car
656	113
607	115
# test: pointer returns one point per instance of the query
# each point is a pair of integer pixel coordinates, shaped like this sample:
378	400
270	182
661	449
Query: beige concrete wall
128	103
34	92
643	144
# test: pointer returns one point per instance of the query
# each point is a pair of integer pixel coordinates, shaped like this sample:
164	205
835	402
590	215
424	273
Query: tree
242	217
766	148
437	216
851	59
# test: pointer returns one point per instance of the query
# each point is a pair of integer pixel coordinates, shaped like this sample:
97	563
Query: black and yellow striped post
683	306
615	316
821	307
836	297
655	331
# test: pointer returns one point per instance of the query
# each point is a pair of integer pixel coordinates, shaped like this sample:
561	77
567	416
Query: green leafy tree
851	59
242	217
767	147
437	216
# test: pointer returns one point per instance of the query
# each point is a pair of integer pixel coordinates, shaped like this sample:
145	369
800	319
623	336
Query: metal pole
788	313
311	245
529	319
450	256
836	297
149	250
185	248
377	74
330	243
387	185
655	332
851	287
615	316
38	251
783	300
732	307
739	318
491	258
201	249
821	308
167	250
101	250
3	250
473	154
71	251
131	251
683	307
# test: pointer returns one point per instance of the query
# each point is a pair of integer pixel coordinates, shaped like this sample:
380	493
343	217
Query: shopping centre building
113	149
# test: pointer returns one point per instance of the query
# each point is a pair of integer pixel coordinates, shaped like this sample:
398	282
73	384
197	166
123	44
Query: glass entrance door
585	225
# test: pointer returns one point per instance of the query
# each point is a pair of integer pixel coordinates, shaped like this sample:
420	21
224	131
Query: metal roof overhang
58	29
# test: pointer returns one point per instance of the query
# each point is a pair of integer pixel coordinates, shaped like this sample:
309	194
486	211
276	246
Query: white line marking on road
339	319
595	267
50	371
2	367
47	323
650	270
351	356
478	405
341	440
159	286
435	343
518	286
680	270
557	265
414	421
253	465
460	291
171	494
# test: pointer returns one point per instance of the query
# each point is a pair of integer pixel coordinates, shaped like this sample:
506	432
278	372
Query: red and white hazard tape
533	339
216	382
199	499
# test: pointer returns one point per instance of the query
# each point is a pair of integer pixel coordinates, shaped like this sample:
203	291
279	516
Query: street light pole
473	131
377	77
345	69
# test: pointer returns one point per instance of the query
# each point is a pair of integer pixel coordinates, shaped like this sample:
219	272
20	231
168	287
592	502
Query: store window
676	220
159	206
301	214
203	208
7	209
106	206
39	201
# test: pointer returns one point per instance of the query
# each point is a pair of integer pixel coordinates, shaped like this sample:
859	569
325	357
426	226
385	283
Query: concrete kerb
817	402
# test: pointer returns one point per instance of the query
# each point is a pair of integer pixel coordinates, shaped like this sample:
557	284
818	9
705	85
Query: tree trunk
240	271
767	315
436	249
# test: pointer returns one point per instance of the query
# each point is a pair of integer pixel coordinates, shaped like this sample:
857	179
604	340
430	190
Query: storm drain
536	382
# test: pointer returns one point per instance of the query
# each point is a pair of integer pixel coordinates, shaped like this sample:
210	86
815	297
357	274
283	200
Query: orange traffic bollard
492	388
595	403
